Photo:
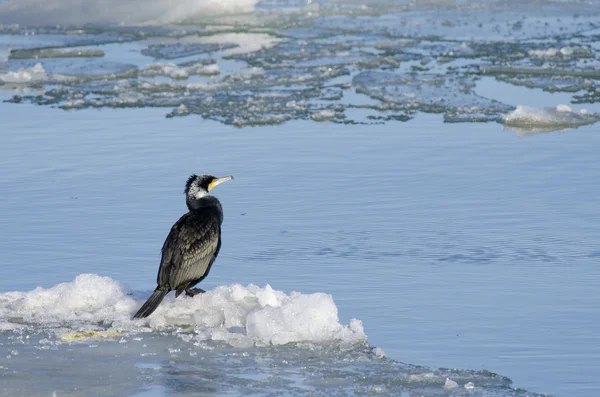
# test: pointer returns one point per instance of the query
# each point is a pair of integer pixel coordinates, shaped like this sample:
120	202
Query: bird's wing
190	249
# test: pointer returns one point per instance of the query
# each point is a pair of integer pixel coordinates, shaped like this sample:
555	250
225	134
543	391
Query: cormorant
192	244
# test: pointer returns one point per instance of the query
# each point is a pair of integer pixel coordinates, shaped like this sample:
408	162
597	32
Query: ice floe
532	119
179	72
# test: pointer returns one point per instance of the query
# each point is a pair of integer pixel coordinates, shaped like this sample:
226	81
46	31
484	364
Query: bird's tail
151	304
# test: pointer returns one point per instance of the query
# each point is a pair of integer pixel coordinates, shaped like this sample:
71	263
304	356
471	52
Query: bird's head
198	186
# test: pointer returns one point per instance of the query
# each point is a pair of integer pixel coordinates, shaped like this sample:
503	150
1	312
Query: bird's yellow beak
218	181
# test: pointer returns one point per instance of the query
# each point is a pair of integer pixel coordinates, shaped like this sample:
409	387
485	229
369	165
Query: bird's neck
194	204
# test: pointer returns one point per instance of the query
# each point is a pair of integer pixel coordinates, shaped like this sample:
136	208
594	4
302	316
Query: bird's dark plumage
192	244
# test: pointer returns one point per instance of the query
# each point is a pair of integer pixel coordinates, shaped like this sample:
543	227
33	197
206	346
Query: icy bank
548	119
234	314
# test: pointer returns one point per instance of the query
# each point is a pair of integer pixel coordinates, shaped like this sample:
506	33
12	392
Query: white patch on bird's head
196	191
198	187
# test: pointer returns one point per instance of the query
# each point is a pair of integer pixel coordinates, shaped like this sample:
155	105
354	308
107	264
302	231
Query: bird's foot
194	291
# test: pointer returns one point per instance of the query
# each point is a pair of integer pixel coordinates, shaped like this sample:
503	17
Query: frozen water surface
317	58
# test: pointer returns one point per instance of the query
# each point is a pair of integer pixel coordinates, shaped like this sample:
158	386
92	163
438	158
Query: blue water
468	250
457	245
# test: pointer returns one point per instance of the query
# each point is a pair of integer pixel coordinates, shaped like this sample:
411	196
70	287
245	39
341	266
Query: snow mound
237	315
548	119
88	299
35	74
246	316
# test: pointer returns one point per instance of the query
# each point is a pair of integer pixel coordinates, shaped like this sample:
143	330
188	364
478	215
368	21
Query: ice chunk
33	75
450	384
55	53
548	119
298	318
551	52
208	69
549	83
246	316
89	299
181	110
245	42
379	353
430	93
323	115
95	307
179	72
567	51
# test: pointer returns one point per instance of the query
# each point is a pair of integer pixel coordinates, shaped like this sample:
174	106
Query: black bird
192	244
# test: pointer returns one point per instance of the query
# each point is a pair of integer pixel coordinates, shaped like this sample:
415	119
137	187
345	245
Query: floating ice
591	96
55	53
402	58
89	299
92	306
548	119
35	74
379	352
451	95
549	83
566	51
245	42
179	72
323	115
181	50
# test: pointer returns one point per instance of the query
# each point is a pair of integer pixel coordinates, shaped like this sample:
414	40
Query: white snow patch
181	110
241	316
208	70
35	74
248	73
379	353
178	72
246	42
88	299
243	76
246	316
566	51
323	115
563	116
450	384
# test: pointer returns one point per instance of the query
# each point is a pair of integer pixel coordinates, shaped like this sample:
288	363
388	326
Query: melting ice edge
290	344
